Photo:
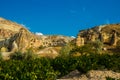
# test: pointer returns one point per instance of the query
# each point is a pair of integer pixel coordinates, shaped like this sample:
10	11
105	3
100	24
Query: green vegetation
66	49
50	69
109	78
27	67
39	69
17	56
89	48
20	56
0	56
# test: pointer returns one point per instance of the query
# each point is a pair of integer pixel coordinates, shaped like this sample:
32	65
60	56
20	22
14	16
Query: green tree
86	49
66	50
97	46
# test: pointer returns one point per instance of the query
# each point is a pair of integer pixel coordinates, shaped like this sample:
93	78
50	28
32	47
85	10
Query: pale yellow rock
79	41
3	49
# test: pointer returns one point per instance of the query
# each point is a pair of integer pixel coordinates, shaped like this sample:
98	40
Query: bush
37	69
64	65
29	55
17	56
86	63
109	78
90	47
86	49
65	50
20	56
50	69
1	56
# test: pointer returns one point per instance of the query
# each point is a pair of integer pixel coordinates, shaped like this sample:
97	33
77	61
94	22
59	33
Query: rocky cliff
107	34
8	28
16	37
54	40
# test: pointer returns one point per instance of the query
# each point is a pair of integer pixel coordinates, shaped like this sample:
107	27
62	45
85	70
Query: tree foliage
20	68
90	47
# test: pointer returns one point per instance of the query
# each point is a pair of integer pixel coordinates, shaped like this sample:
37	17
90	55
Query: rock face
50	52
5	33
9	25
15	37
54	40
79	41
25	40
113	40
108	34
91	75
8	28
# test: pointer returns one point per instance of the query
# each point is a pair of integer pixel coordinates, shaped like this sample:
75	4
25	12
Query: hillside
108	35
15	37
104	29
9	25
92	55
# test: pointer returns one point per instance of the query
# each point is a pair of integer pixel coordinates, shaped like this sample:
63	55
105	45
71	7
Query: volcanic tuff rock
8	28
16	37
9	25
92	75
108	34
54	40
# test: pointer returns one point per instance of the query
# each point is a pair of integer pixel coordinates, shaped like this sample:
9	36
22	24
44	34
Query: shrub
109	78
1	56
37	69
65	50
50	69
97	45
29	54
17	56
90	47
86	49
64	65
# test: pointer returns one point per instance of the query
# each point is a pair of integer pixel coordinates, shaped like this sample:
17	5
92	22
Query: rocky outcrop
113	39
25	40
49	52
6	33
9	25
79	41
91	75
107	34
15	37
54	40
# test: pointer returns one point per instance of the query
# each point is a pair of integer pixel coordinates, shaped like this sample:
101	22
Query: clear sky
64	17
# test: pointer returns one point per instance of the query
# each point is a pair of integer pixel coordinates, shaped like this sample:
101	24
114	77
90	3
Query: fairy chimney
113	39
79	41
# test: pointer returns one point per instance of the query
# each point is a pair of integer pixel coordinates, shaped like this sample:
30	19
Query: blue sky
64	17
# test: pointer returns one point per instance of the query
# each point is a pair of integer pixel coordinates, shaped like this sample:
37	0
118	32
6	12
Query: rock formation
25	40
100	37
79	41
9	25
15	37
106	34
113	39
92	75
54	40
5	33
